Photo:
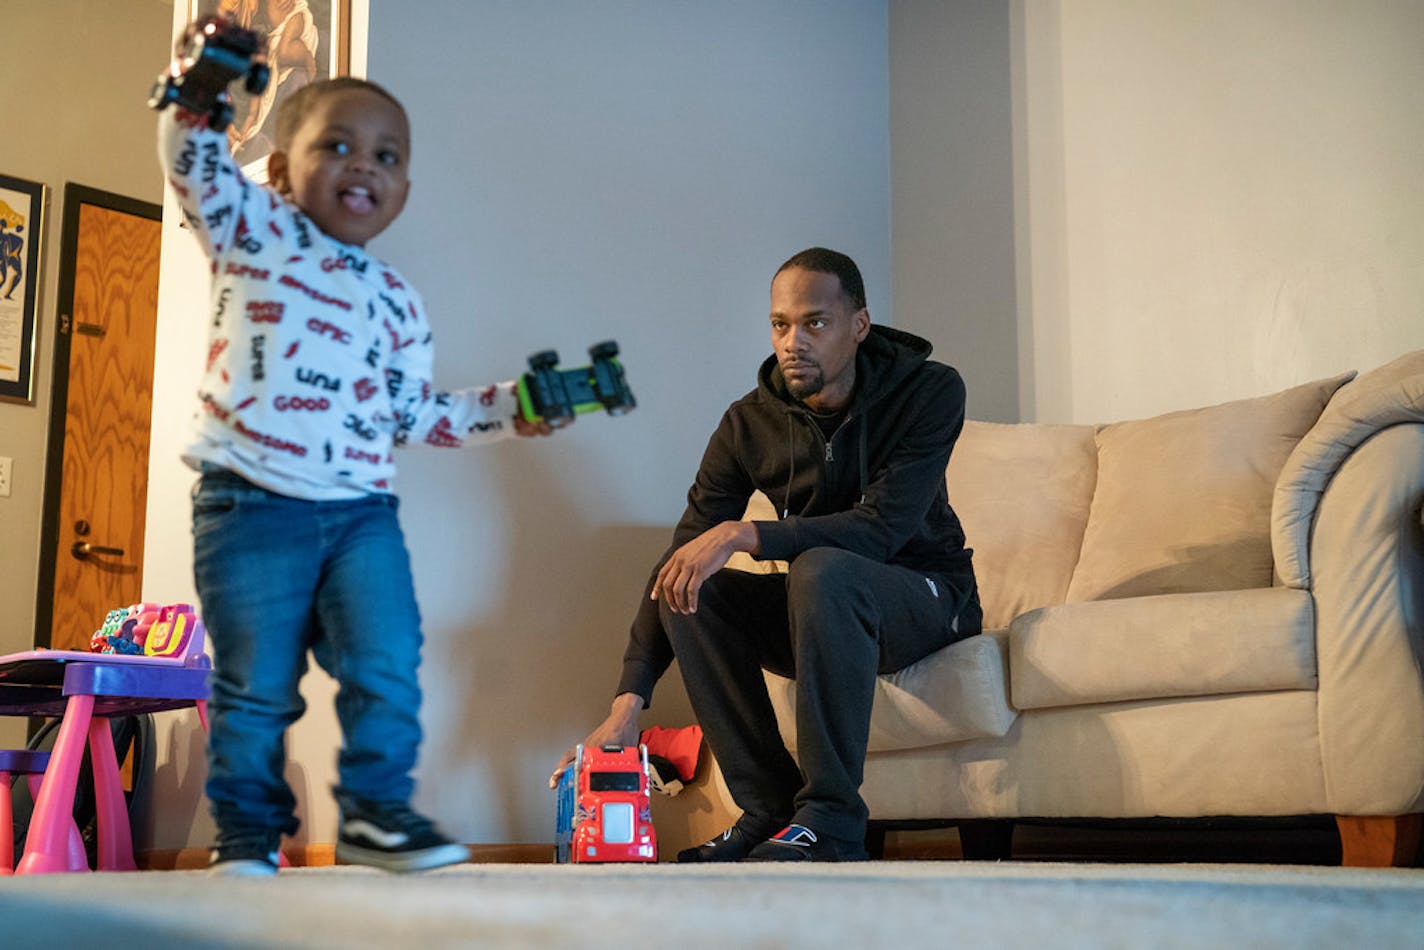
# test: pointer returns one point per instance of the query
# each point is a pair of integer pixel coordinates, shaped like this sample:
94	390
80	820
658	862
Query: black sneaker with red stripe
800	843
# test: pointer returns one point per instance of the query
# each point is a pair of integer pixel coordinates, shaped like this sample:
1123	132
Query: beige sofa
1215	612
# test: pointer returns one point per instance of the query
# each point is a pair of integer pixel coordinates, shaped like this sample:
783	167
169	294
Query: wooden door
96	484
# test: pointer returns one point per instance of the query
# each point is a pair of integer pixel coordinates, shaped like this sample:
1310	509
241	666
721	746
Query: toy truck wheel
257	77
603	351
544	359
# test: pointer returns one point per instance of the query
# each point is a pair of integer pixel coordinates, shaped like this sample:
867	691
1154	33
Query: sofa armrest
1161	646
1387	396
1367	560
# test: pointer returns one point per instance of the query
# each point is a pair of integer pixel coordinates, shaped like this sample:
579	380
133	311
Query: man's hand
683	575
620	729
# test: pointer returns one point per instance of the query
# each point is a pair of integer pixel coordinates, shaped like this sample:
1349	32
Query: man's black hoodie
875	486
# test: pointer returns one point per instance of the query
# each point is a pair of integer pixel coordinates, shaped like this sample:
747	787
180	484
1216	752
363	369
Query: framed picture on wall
306	40
22	208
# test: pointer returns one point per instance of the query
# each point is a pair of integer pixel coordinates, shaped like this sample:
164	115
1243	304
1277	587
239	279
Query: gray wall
952	166
1219	199
634	170
1106	210
75	74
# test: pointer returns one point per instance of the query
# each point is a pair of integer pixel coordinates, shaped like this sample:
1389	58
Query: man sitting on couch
848	432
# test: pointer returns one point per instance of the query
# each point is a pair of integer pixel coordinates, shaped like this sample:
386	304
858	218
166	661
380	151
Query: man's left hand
682	576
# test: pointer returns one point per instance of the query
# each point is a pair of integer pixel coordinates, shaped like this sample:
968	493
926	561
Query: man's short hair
293	110
823	260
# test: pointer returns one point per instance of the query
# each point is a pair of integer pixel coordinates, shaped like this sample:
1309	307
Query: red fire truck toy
603	807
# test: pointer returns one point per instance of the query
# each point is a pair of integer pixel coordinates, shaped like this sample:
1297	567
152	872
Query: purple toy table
85	689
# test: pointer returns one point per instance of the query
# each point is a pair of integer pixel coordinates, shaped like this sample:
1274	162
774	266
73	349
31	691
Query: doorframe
75	196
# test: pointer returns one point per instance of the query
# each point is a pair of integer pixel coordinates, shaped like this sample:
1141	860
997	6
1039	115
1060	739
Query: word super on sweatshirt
319	358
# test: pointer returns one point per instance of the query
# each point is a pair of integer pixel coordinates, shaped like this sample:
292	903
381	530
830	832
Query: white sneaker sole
402	862
244	868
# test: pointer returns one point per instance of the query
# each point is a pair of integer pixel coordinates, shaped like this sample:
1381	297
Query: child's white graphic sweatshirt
319	358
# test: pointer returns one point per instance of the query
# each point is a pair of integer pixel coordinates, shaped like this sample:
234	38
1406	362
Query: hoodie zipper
829	455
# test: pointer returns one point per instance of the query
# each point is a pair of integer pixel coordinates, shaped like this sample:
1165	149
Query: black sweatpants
832	623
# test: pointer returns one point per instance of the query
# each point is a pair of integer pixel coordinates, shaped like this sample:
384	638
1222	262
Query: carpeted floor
889	904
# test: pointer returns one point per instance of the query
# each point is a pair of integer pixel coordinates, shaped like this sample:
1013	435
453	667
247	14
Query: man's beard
807	386
806	389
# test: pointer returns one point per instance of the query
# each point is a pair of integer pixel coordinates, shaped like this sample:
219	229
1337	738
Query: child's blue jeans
276	577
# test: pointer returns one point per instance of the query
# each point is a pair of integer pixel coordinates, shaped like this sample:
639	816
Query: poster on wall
22	206
305	40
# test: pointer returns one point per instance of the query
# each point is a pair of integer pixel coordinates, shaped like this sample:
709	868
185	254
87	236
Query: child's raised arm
216	200
192	148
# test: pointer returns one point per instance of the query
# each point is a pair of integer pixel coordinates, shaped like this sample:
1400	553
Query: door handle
82	550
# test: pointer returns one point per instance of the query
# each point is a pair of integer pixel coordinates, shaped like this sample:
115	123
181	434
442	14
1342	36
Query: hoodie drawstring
791	444
864	464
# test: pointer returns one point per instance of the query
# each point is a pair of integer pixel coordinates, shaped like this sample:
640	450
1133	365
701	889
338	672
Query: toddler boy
318	366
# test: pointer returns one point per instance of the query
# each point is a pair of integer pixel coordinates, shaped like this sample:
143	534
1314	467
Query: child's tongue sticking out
357	200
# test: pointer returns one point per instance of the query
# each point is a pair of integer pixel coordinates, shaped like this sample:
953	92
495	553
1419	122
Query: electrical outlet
6	464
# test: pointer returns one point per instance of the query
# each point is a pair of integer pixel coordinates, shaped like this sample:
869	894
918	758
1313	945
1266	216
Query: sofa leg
875	840
986	839
1379	841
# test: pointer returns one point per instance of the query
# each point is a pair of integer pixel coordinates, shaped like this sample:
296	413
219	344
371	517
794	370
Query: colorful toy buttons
148	629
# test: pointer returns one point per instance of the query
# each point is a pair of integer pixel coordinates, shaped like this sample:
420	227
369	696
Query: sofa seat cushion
954	694
1169	645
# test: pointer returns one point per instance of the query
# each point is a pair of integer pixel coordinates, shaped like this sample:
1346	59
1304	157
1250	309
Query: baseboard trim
324	855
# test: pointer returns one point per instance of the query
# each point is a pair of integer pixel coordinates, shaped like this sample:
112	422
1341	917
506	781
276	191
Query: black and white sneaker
731	845
799	843
393	837
245	856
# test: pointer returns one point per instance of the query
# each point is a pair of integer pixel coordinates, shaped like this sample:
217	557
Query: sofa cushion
1183	500
1165	646
1248	754
957	693
1022	493
759	508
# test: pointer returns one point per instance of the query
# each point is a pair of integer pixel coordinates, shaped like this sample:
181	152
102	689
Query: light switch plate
6	465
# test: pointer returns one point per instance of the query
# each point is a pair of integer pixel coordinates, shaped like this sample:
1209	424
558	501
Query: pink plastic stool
31	764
